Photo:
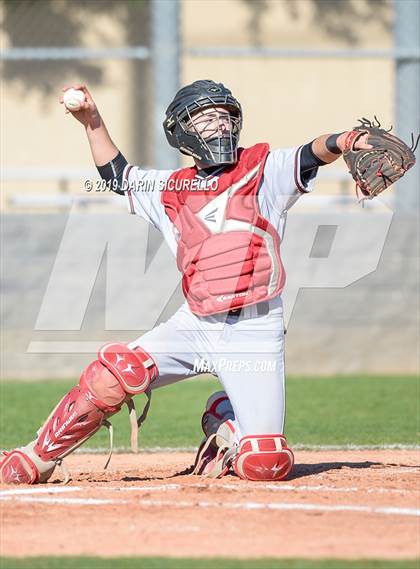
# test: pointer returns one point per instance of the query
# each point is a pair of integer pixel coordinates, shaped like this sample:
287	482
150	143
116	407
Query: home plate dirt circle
341	504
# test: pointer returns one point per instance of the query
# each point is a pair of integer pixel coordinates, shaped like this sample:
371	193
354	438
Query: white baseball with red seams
246	351
73	99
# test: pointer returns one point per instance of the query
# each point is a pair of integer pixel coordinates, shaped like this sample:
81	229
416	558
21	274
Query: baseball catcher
223	218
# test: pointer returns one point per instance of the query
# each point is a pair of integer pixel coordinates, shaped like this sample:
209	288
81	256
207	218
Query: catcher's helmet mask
181	132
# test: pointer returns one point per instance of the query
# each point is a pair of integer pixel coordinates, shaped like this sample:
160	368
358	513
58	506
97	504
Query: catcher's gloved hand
377	168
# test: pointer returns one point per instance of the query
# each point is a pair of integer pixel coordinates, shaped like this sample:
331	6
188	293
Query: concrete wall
370	326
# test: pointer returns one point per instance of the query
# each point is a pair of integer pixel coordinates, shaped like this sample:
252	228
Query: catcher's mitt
375	169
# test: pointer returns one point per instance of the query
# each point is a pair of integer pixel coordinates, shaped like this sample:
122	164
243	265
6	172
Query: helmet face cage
218	147
211	122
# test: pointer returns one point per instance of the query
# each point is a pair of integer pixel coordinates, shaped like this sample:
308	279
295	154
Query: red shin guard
117	375
104	386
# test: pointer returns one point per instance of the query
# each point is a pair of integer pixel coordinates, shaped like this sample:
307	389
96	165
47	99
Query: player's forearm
328	147
108	159
101	145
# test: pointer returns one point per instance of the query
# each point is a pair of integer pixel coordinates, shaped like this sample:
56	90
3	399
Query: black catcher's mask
220	146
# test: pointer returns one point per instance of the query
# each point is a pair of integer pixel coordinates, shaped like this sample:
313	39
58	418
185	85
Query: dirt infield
343	504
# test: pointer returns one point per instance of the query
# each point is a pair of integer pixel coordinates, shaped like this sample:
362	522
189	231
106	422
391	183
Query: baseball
73	99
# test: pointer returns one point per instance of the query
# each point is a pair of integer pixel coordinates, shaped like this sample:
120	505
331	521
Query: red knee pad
263	457
134	369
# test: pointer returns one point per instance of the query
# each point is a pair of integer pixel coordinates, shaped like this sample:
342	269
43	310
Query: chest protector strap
228	252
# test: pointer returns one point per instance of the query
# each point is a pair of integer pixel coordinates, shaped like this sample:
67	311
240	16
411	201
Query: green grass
320	411
216	563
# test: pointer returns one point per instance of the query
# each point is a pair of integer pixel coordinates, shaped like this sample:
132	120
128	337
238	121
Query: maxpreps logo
224	297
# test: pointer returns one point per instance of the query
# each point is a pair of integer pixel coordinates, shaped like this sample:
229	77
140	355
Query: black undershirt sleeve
113	171
309	163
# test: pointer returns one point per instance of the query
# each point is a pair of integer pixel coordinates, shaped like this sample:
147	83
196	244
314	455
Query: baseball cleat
218	448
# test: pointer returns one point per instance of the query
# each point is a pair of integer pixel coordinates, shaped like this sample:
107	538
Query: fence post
165	64
407	93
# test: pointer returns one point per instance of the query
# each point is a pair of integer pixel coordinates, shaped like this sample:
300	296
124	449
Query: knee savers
117	375
263	457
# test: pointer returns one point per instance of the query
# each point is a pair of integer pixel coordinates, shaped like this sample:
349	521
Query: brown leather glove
376	169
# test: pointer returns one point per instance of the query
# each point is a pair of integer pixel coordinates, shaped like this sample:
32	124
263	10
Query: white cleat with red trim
219	446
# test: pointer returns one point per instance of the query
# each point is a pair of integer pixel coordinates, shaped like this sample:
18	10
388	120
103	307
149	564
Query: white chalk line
63	501
387	510
305	488
43	490
242	487
403	469
159	488
297	446
272	487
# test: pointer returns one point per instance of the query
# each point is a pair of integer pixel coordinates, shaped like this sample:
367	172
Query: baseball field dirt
336	504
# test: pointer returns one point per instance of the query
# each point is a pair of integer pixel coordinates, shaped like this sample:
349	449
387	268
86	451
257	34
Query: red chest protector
228	252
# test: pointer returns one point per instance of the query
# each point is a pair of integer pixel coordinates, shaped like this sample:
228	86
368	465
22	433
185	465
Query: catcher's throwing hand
375	158
88	114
